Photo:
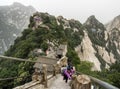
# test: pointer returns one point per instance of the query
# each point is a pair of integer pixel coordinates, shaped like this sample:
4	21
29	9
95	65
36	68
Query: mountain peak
118	17
17	4
92	17
13	19
115	23
91	20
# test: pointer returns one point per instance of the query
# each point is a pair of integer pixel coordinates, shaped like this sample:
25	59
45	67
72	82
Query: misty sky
104	10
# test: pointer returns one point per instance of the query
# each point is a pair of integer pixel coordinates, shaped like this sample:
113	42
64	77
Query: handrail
22	60
100	82
10	78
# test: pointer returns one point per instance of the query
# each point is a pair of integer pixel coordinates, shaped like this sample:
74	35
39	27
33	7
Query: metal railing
99	84
11	78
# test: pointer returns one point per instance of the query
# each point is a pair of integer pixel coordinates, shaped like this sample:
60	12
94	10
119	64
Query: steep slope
96	31
93	47
87	53
13	19
113	43
113	31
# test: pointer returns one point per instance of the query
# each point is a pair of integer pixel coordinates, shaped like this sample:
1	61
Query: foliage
115	67
75	24
73	57
44	46
101	60
25	69
84	67
112	48
73	38
9	69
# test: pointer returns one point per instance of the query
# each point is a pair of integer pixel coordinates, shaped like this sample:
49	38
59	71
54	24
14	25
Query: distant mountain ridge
13	19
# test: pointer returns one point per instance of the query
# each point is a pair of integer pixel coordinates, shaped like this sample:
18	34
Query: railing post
81	82
58	68
95	86
36	76
54	70
72	83
45	74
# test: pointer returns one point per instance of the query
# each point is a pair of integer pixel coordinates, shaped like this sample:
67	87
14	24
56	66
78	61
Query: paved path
59	83
54	83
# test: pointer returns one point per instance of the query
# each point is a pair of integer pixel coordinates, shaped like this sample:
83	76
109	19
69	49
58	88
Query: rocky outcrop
94	23
87	53
108	57
113	40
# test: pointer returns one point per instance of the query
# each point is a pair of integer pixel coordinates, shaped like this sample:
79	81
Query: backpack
62	70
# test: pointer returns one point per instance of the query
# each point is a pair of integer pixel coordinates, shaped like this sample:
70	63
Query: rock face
13	19
100	46
115	23
113	31
87	53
